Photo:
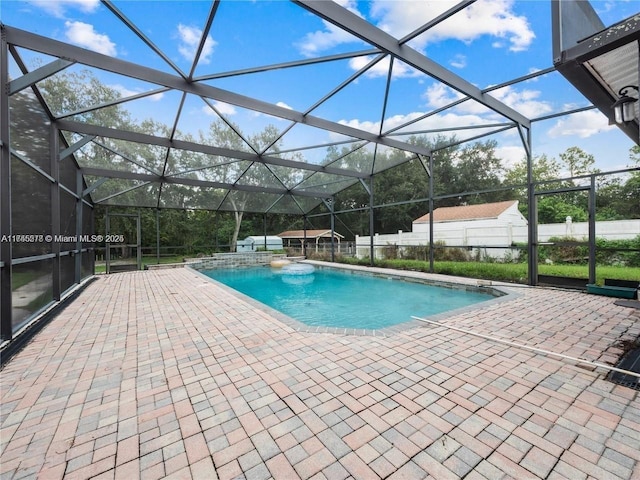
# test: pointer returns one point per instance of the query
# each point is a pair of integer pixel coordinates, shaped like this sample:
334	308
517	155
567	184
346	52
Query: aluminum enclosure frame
301	199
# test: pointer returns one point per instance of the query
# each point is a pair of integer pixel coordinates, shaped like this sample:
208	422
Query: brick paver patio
162	374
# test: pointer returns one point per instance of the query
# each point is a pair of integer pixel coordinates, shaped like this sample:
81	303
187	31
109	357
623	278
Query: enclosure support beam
158	236
105	173
139	240
6	326
264	228
532	213
92	230
330	204
431	252
371	224
58	49
100	131
304	234
107	250
79	223
361	28
592	231
333	229
55	208
35	76
76	146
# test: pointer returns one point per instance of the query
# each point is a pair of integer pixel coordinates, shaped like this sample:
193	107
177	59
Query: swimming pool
336	298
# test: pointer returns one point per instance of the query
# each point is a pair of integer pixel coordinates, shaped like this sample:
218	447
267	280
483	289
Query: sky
490	42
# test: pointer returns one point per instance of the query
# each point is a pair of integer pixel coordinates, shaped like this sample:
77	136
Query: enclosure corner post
139	240
371	227
264	226
6	328
431	205
55	208
592	231
158	236
532	212
107	249
304	235
333	228
79	233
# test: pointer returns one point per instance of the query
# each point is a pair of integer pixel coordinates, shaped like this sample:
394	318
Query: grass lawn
507	272
101	267
20	279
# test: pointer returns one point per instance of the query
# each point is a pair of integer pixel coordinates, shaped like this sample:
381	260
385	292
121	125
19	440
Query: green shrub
440	253
608	252
506	272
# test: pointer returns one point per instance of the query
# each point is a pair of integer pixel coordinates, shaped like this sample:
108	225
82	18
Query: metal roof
599	61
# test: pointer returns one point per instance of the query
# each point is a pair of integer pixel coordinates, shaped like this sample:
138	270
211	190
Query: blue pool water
333	298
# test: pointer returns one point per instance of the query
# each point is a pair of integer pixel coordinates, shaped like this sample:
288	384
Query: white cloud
316	42
189	42
284	105
523	100
398	18
581	124
123	91
459	61
223	108
83	35
57	8
321	40
510	155
434	122
438	95
485	17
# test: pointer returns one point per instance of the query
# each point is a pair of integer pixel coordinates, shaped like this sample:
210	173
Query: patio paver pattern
162	374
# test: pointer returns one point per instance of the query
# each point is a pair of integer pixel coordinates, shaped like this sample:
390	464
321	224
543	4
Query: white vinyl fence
496	240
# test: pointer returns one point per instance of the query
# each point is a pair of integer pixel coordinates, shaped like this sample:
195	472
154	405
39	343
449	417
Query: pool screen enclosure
61	158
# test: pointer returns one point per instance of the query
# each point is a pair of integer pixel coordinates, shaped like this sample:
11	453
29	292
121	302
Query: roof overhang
599	61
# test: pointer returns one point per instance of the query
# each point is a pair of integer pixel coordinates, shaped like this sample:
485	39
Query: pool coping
497	290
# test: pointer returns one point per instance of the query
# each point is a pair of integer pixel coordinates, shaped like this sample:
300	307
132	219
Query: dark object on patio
611	291
612	282
631	362
628	303
564	282
122	267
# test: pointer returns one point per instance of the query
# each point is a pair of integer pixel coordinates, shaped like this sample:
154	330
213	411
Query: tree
478	168
630	192
577	161
543	169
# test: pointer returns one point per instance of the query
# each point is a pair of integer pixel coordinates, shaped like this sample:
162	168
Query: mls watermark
38	238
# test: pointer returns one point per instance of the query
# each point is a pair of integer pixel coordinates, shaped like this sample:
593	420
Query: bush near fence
608	252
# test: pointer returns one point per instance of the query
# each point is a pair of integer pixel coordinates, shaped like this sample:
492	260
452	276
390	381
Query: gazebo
319	237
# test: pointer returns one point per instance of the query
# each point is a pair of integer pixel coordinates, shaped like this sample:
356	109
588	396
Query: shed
295	238
254	243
